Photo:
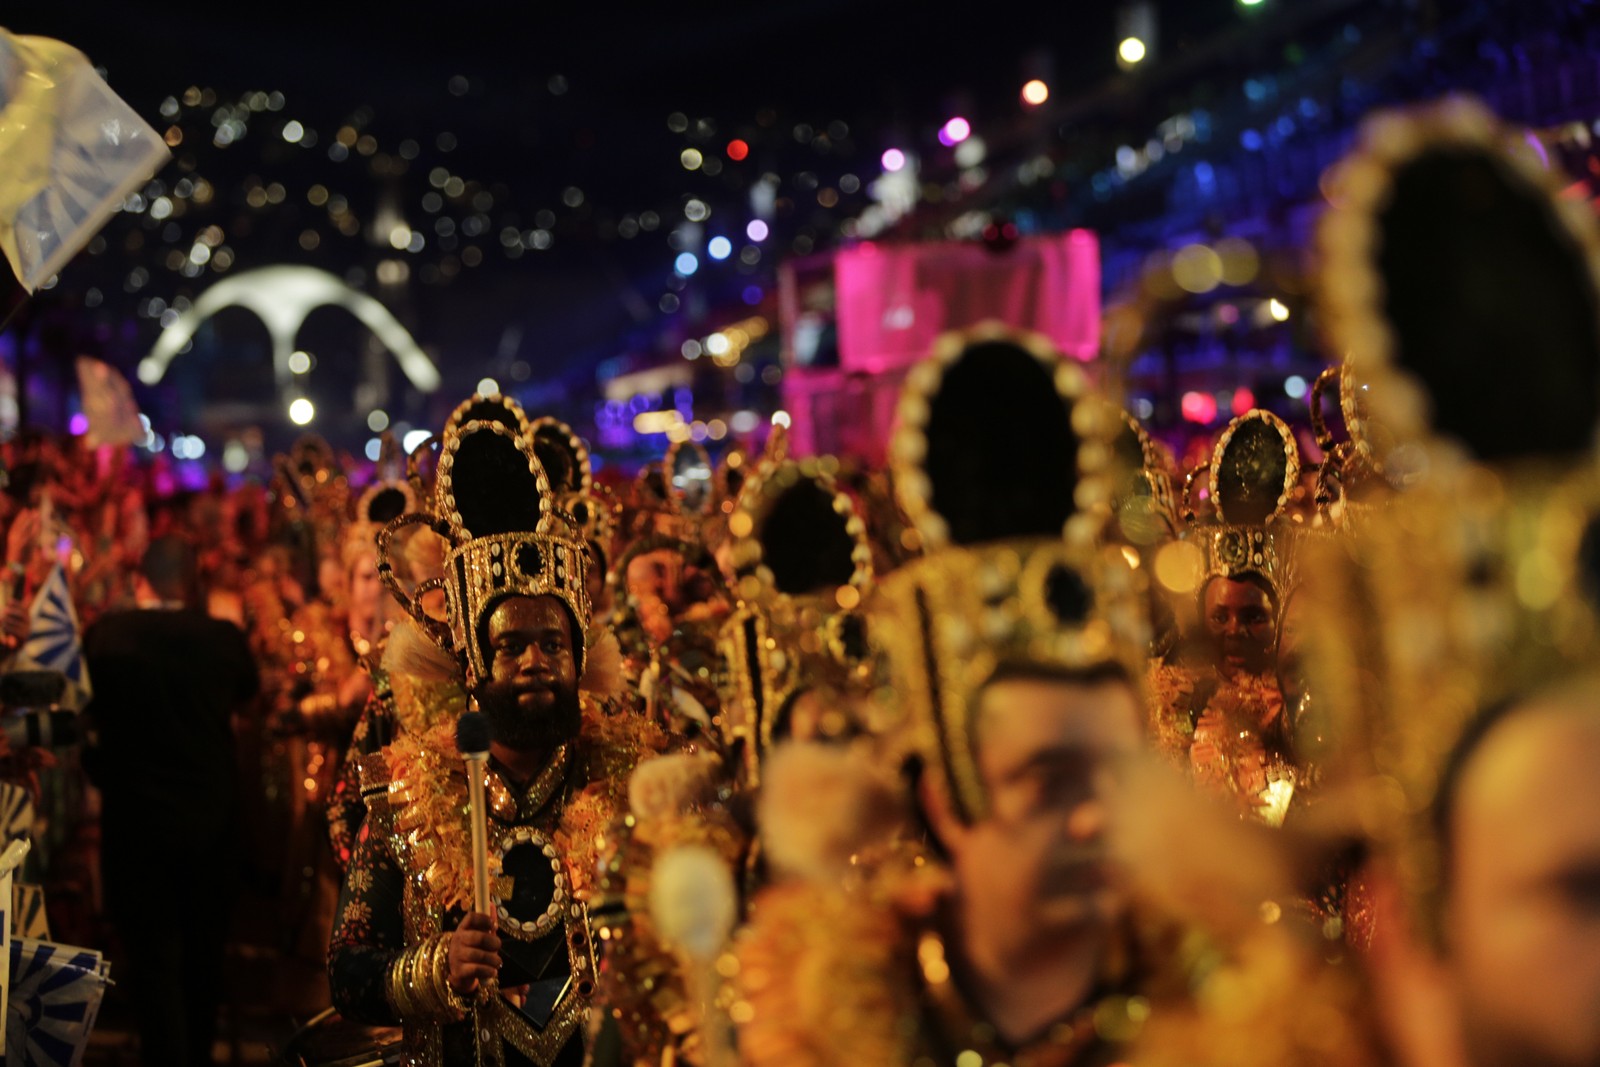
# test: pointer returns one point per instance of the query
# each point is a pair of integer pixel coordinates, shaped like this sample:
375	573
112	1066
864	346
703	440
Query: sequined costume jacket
890	996
410	881
1245	725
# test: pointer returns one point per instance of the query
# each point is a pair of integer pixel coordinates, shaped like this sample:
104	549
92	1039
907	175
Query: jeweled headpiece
998	461
1144	508
802	566
1461	288
1254	472
495	508
564	455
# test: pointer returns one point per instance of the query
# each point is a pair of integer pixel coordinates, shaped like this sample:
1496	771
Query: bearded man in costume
511	987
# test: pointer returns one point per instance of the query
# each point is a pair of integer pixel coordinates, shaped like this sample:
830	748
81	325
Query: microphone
472	741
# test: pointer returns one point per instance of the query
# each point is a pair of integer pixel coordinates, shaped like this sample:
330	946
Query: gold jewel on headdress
1476	584
796	623
1254	471
1013	573
529	550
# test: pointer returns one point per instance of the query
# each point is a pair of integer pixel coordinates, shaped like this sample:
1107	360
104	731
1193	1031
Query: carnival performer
1014	651
1216	704
795	664
511	987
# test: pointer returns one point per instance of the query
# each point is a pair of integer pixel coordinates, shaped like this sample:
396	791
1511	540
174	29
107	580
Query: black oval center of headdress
1251	476
385	505
1492	306
493	486
1002	455
554	449
804	541
1067	594
529	561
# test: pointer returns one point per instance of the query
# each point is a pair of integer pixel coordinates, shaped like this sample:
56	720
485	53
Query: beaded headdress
1253	474
998	461
802	566
1461	287
496	510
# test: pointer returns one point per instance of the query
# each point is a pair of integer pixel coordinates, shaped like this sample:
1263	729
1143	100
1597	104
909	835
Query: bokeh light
955	131
1035	93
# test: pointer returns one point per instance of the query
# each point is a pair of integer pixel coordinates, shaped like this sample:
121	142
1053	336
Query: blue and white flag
53	1002
54	641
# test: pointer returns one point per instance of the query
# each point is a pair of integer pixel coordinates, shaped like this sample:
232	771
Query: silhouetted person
167	679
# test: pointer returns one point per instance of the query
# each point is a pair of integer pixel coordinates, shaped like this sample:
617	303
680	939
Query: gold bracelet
399	995
454	1004
422	979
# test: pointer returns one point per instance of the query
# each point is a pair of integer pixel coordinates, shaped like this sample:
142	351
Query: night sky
558	122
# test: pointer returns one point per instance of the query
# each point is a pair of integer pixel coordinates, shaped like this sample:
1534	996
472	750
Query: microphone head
473	734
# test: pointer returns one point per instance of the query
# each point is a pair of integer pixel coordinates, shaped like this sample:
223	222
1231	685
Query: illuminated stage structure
855	323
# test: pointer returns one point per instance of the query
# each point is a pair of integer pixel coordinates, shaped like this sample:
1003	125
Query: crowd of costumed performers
1029	749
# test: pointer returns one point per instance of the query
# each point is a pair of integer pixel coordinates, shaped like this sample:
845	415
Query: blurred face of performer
531	695
1032	870
653	579
1239	618
1522	913
366	590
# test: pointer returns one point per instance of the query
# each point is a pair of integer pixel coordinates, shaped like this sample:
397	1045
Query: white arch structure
281	298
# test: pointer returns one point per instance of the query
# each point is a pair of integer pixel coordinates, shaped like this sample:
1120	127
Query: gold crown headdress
1462	288
1254	472
385	500
802	566
686	473
998	461
310	485
495	508
673	498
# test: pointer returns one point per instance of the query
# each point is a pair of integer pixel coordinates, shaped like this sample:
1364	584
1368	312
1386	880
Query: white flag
71	151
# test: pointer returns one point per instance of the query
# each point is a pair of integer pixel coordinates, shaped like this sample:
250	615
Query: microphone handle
480	835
